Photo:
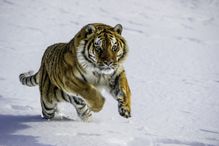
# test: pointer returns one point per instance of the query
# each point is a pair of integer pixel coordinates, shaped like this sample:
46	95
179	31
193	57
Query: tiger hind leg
81	107
51	95
48	110
48	102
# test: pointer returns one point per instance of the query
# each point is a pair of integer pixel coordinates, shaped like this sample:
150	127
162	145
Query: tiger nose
108	63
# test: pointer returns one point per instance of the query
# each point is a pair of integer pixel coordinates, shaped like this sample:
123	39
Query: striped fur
74	72
29	79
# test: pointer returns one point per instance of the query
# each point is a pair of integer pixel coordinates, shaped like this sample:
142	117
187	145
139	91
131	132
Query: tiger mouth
106	70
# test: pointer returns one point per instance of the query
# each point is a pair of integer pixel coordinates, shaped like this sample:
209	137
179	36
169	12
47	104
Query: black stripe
123	54
64	97
117	79
48	88
84	113
22	80
86	58
25	80
30	80
46	79
21	77
46	107
66	48
44	75
114	73
57	70
53	58
34	79
83	52
75	83
70	98
60	80
110	35
55	92
83	106
81	74
55	79
122	41
116	83
52	91
77	100
89	45
48	115
42	80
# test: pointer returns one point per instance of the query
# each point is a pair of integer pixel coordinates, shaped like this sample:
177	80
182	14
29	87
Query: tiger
77	71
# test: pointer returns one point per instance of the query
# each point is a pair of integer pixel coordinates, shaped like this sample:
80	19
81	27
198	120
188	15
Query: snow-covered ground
173	70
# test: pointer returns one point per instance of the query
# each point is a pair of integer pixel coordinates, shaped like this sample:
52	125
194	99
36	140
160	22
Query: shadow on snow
9	124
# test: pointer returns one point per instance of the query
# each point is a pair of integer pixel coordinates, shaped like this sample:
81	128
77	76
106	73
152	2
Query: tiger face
103	50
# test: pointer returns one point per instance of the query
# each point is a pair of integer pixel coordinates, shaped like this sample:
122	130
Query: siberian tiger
76	71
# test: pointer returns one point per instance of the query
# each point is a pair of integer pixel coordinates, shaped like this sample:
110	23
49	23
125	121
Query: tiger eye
115	48
97	42
98	49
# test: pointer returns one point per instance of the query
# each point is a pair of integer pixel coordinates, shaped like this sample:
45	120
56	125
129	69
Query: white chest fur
97	79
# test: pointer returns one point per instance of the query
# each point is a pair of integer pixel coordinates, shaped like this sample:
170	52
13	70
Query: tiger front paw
85	116
124	111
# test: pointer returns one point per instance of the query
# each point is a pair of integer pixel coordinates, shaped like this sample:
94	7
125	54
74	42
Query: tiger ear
90	29
118	28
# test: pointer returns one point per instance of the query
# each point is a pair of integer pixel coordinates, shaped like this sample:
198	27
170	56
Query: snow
172	68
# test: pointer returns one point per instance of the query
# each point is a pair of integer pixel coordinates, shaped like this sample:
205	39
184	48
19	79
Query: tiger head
100	48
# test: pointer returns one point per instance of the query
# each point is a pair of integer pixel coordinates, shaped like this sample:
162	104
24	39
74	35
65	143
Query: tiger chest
97	79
